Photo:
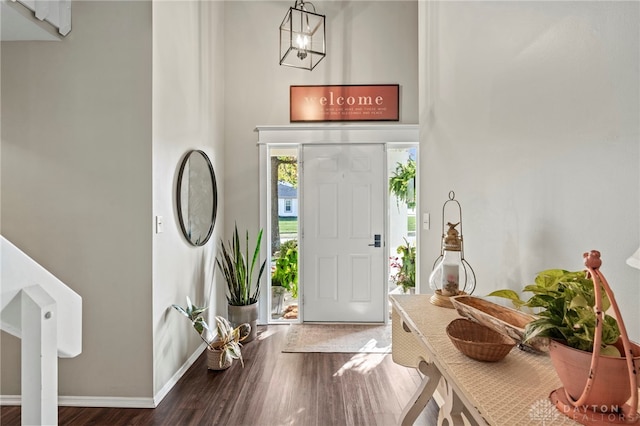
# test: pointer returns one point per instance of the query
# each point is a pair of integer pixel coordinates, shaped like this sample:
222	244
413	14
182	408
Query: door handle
377	241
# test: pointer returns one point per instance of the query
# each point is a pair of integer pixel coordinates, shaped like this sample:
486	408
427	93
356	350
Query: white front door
343	216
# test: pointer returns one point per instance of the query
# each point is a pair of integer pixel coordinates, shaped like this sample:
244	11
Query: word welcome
349	100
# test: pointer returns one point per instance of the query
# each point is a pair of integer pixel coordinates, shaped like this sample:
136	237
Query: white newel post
39	357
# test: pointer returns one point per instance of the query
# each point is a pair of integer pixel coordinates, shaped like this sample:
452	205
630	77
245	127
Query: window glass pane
284	234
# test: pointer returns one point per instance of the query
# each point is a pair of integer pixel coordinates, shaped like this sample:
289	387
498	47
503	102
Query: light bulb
302	41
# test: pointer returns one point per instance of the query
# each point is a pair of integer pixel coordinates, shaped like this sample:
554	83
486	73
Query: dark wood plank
273	389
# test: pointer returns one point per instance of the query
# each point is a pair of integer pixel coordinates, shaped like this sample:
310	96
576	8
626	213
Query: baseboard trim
88	401
117	402
105	402
10	400
159	396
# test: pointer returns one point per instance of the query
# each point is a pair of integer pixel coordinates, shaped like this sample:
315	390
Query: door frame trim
342	134
268	135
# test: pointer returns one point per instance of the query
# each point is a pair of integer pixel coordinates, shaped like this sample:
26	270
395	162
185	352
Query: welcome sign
377	102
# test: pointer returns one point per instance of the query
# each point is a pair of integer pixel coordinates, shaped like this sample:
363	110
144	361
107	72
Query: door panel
360	277
327	274
360	211
343	209
327	211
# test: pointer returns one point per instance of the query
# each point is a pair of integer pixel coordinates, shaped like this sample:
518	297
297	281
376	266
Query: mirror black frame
179	200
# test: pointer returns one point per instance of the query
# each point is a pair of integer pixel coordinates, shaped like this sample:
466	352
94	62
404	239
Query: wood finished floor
273	389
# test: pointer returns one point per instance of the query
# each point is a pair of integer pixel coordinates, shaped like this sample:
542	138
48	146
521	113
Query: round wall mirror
197	197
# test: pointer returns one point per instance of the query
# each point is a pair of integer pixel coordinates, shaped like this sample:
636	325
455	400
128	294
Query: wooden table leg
423	394
451	410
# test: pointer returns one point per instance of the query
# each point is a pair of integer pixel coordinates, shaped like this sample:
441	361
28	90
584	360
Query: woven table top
513	391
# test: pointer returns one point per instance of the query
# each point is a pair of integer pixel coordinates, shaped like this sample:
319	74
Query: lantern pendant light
451	275
302	37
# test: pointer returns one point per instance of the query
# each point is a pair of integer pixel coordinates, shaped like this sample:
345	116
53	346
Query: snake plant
237	271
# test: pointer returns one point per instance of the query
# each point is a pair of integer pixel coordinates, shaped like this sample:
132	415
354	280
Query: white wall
85	162
187	114
76	187
530	112
367	43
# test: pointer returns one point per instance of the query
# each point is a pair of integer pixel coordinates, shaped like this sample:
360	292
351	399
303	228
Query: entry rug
339	338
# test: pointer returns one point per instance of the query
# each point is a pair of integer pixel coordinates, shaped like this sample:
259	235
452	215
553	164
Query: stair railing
46	315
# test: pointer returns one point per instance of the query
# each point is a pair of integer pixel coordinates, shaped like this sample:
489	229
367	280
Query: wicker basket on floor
478	341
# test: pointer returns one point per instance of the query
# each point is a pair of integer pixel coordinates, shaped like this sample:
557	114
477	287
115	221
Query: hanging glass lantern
302	37
451	275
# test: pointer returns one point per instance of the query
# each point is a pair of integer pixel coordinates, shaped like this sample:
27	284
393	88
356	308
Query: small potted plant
285	272
284	275
238	270
278	289
589	349
406	267
402	182
226	344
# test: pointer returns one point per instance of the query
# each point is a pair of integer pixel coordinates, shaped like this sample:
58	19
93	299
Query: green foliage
226	339
288	170
406	264
289	245
195	316
511	295
238	273
402	183
567	301
411	223
285	273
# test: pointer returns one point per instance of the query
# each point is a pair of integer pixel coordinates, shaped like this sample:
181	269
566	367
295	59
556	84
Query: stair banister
39	346
38	308
55	12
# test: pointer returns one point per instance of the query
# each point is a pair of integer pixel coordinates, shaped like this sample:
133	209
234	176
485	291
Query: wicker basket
213	360
478	341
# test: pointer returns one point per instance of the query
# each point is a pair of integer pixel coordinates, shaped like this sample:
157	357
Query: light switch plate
159	224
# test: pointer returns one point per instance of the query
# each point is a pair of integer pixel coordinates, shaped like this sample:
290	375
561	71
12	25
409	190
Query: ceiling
19	23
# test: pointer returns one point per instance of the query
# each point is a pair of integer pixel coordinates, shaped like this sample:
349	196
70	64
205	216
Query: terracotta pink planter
611	385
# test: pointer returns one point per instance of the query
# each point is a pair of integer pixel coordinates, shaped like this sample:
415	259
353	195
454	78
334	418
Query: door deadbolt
377	241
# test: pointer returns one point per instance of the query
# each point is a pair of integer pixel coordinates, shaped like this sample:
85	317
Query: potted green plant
585	342
565	301
285	272
284	275
401	183
406	267
225	346
242	291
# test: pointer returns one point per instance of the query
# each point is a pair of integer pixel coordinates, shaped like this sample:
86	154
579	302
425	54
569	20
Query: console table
514	391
